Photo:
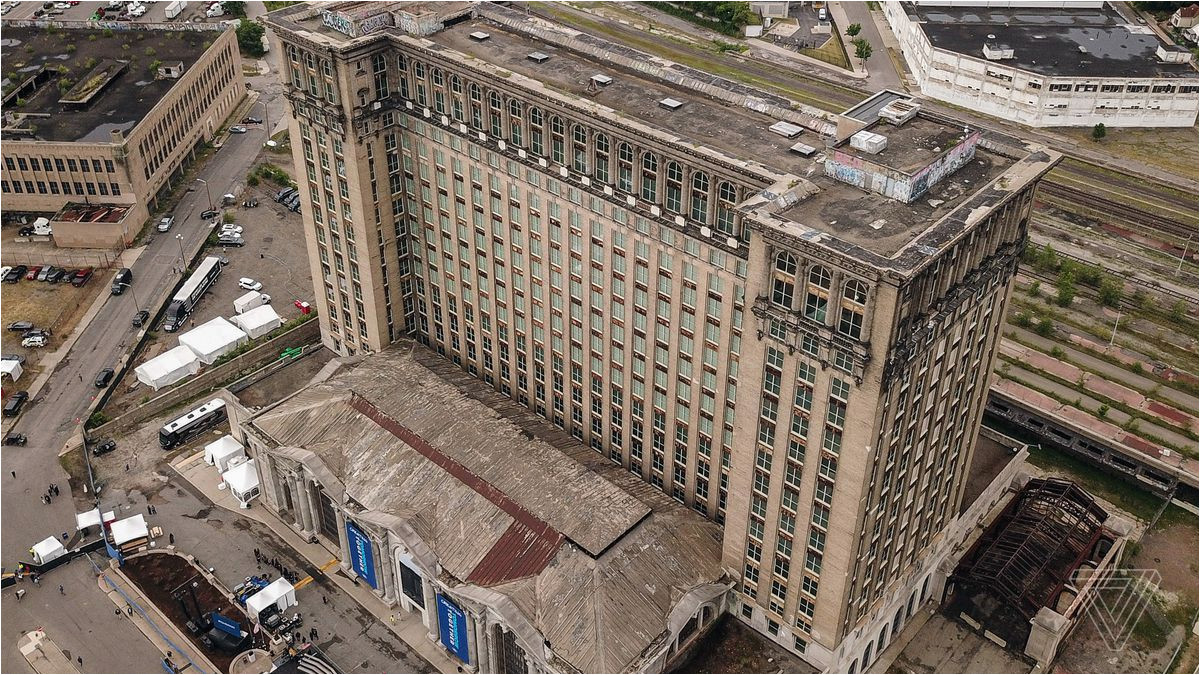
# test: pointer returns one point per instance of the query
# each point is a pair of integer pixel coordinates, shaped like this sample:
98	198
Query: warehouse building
108	117
1066	64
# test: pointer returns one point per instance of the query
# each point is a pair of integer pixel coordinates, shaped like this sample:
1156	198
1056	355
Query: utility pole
1116	323
1183	255
207	193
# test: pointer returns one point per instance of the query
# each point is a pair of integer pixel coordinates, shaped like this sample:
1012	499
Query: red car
81	276
33	272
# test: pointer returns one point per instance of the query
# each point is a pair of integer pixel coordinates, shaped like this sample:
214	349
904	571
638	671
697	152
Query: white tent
250	300
211	339
46	550
130	529
258	321
221	451
279	593
87	519
12	368
243	482
168	368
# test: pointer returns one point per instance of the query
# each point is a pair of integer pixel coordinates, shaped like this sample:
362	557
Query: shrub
252	180
1110	292
95	419
853	29
108	32
1058	353
1023	319
1137	367
1034	289
1102	411
1044	327
228	217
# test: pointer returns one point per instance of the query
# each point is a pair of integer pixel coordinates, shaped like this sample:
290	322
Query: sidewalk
406	626
43	655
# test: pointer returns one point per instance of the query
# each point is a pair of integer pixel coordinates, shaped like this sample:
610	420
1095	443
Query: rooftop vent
996	51
803	149
899	111
670	103
869	142
601	80
786	129
170	71
538	57
480	36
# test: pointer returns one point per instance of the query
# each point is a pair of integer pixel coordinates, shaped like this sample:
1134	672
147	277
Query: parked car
165	223
5	270
104	377
56	274
249	284
121	280
33	272
140	317
26	231
82	277
230	228
104	447
13	438
284	194
15	274
36	332
231	240
251	120
211	213
13	405
45	272
33	342
237	129
21	326
19	358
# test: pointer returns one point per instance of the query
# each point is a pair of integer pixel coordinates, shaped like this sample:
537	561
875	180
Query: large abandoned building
101	123
769	314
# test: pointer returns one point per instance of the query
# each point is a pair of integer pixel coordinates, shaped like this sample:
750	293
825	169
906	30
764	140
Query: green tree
1023	319
1044	327
853	29
1110	292
862	50
1178	311
1066	288
236	9
1099	132
249	37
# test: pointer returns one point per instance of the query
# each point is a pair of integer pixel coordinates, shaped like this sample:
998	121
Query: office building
109	117
768	314
1069	64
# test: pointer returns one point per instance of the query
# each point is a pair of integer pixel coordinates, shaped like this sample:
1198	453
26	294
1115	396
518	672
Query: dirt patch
55	306
157	575
732	647
285	381
1171	149
1172	550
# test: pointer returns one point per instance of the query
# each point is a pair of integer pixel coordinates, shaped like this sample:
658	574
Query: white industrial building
1046	64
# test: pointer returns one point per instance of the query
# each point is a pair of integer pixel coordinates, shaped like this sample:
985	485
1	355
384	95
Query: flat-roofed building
762	310
109	117
1046	64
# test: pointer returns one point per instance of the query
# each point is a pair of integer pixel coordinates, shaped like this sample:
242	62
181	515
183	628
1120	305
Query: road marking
308	580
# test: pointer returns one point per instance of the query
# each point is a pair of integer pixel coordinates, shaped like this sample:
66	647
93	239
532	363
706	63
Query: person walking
61	590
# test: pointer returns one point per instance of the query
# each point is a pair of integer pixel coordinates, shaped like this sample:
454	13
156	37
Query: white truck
176	8
41	227
250	301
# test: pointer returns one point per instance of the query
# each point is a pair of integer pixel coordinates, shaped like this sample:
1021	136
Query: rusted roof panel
520	552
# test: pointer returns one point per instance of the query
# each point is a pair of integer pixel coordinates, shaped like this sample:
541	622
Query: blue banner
362	556
226	624
452	624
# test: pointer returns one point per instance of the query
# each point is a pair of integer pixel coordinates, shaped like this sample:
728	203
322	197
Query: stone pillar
380	579
314	506
1047	630
303	505
387	571
431	612
474	647
343	541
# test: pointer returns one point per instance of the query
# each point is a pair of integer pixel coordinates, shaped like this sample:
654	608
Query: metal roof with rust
593	557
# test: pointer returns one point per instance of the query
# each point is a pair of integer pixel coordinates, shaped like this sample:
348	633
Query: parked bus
185	428
190	293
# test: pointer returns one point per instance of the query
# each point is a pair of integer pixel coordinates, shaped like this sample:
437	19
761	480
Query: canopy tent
258	321
87	519
46	550
250	300
11	368
129	530
168	368
211	339
279	593
242	481
221	451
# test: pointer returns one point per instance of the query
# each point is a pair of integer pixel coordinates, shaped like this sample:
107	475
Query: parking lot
56	306
274	255
156	12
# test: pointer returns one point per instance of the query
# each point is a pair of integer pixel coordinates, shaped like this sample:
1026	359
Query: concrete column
380	577
474	647
305	506
431	612
294	492
313	505
387	571
343	541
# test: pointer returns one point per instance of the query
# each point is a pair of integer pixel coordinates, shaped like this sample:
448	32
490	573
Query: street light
136	304
207	193
182	258
266	117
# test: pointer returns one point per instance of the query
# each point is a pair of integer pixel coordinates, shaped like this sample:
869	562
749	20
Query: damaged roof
594	558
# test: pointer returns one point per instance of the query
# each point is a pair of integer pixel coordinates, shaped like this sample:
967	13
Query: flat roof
1047	40
75	212
118	104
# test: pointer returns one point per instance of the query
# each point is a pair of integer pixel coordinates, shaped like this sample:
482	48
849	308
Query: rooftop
593	557
86	66
1051	41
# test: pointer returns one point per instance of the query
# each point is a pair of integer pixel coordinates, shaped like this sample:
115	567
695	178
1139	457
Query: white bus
184	428
190	293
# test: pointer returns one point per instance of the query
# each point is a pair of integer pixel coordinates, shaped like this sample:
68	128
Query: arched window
516	126
867	653
514	107
854	304
456	84
783	282
494	101
535	117
602	147
700	197
536	135
674	195
650	177
816	301
435	76
476	92
558	130
496	115
579	149
625	167
726	201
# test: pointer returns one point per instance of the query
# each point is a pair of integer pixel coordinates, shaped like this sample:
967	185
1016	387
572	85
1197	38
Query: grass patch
832	52
1115	490
75	465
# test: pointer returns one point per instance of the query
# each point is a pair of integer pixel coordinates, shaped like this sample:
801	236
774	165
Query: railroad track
1126	305
1124	212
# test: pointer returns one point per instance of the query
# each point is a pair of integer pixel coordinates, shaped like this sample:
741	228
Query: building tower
794	341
